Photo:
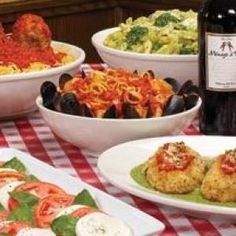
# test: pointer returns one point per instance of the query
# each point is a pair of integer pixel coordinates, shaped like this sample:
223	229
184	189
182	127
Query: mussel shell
83	74
175	105
151	73
185	87
110	112
85	111
56	101
129	111
191	100
176	86
64	78
48	91
69	104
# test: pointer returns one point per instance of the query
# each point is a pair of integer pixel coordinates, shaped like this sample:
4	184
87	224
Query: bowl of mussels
100	109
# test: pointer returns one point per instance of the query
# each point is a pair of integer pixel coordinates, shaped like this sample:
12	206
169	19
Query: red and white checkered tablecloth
31	134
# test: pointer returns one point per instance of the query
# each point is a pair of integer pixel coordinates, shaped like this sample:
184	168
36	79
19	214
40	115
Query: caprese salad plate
39	200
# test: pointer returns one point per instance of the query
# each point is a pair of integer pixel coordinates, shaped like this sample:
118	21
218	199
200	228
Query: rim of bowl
195	108
50	71
99	37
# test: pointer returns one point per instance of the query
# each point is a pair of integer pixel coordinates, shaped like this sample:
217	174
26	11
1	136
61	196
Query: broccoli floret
164	19
136	34
186	51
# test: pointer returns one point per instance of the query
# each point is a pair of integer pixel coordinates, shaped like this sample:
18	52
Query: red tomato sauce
15	53
228	163
167	161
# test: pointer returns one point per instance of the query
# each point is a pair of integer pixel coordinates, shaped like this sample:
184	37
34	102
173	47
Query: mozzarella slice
35	232
100	224
69	210
5	222
4	192
7	169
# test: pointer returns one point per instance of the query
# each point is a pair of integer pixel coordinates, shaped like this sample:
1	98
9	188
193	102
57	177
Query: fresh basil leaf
164	19
64	225
85	198
16	164
1	207
22	213
30	178
24	198
4	234
136	34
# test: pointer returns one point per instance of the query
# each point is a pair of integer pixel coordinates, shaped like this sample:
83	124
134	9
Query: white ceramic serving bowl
181	67
19	91
95	135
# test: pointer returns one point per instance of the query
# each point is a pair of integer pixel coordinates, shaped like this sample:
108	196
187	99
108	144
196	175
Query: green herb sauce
195	196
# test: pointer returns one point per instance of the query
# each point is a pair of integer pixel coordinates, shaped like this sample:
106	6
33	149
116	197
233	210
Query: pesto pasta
163	32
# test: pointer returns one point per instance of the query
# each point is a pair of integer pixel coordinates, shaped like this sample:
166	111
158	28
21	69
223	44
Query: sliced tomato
3	215
83	211
12	228
39	189
227	165
47	209
8	176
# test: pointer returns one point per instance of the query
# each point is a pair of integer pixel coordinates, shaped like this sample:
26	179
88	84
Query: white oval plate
116	163
140	223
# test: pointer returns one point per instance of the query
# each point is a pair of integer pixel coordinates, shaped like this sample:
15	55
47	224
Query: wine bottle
217	66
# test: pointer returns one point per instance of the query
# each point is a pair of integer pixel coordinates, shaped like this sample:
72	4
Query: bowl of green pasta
165	42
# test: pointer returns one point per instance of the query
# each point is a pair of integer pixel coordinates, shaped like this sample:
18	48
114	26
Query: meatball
31	31
219	183
175	168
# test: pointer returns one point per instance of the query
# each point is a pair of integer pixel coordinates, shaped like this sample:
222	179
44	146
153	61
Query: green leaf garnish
64	225
136	34
22	213
164	19
16	164
1	207
4	234
85	198
31	178
24	198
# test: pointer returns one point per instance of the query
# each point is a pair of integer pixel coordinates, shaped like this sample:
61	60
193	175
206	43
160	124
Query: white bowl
19	91
95	135
181	67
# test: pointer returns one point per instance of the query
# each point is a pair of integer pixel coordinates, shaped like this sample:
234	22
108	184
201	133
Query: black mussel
110	112
64	78
151	73
191	100
85	111
69	104
129	111
56	101
174	83
48	91
185	89
83	74
175	105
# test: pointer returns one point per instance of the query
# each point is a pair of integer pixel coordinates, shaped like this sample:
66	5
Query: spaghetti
100	90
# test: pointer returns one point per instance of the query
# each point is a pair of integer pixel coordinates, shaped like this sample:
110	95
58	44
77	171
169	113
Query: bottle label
221	62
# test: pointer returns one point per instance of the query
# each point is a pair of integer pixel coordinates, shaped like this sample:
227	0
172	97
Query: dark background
75	21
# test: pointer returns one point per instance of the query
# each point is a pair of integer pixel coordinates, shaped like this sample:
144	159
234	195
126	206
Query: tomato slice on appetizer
39	189
48	208
3	215
9	176
12	227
